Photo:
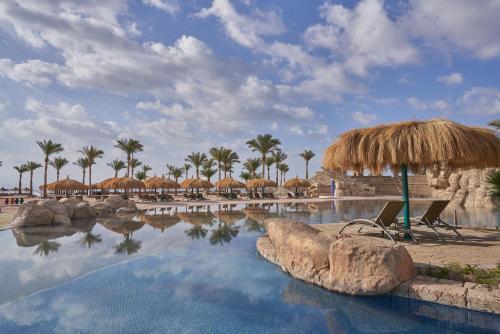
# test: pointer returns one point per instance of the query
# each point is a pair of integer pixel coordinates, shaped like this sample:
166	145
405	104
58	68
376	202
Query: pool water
192	272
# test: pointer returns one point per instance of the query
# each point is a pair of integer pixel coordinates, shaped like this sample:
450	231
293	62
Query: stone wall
463	187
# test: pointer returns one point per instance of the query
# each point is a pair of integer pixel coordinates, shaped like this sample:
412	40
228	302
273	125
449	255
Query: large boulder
301	250
31	214
61	215
368	266
83	211
115	202
101	209
354	265
70	204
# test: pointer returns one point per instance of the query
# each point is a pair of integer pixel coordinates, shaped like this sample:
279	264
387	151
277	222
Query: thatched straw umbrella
296	183
157	182
414	145
196	183
66	185
123	183
260	183
229	183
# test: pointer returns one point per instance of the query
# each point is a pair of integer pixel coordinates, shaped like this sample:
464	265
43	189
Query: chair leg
451	228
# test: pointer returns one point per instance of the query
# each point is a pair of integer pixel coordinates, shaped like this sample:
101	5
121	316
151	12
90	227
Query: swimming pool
192	272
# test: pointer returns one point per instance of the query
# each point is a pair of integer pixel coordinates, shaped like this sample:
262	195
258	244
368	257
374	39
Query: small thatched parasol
65	185
196	183
230	216
229	183
296	182
157	182
196	218
260	183
414	145
123	183
99	185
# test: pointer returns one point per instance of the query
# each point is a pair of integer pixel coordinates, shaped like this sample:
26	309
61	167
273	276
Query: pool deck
481	247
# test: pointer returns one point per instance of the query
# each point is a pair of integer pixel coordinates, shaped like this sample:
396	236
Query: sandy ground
480	247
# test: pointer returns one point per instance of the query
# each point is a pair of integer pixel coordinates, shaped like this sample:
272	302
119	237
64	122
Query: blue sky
183	76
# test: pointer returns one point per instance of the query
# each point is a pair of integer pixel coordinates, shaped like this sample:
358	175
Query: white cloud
33	72
364	118
440	105
451	79
481	100
364	36
169	6
457	24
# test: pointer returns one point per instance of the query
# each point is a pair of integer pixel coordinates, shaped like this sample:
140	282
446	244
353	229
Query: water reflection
90	239
224	233
47	247
128	245
197	232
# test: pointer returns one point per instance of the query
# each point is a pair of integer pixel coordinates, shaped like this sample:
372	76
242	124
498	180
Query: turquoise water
193	273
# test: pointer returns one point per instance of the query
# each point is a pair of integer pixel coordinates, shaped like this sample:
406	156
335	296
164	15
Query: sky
184	76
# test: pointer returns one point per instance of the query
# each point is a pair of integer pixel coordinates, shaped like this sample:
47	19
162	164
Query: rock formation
353	265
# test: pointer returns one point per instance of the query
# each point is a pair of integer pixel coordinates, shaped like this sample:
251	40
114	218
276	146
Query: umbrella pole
406	199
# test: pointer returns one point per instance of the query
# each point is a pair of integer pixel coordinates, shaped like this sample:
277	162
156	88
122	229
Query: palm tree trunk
57	174
45	176
269	172
90	180
20	177
128	165
116	173
307	169
197	172
83	176
277	172
31	182
263	166
219	168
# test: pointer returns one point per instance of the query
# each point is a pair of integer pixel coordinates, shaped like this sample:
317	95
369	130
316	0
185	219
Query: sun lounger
386	219
289	195
431	218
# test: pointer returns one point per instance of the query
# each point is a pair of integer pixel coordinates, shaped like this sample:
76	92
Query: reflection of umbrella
157	182
123	183
229	183
121	226
414	145
161	221
196	217
196	183
258	214
297	183
230	217
260	183
65	185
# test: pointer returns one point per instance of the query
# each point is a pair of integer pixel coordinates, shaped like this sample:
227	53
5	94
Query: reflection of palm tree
47	247
197	232
224	233
254	226
89	239
128	246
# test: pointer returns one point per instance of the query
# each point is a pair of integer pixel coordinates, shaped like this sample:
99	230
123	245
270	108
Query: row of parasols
157	182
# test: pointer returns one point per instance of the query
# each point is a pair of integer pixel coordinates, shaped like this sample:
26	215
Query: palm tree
48	148
254	226
196	159
83	163
186	168
32	165
170	168
228	160
493	179
217	153
91	153
134	163
58	163
207	169
251	165
279	157
21	169
284	169
89	239
130	147
146	169
140	175
177	173
245	176
269	162
495	123
47	247
223	234
264	144
307	155
117	166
